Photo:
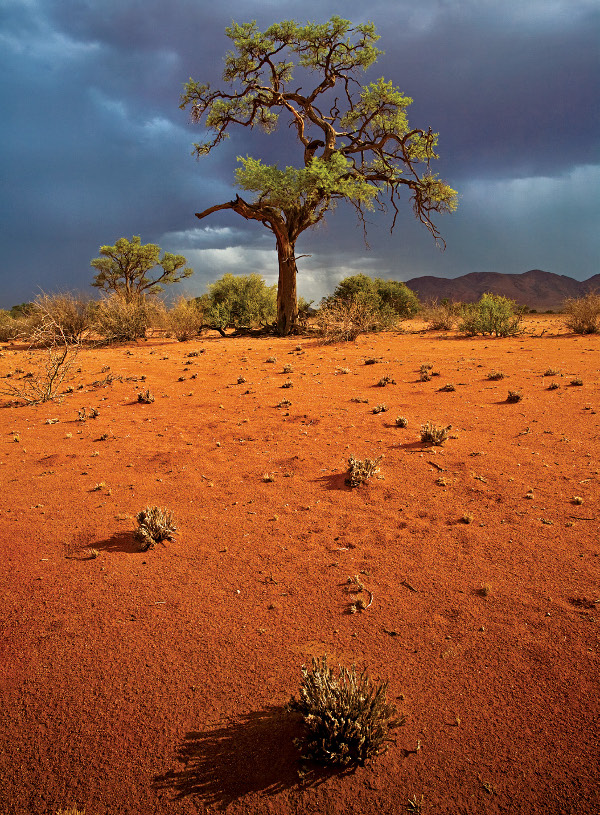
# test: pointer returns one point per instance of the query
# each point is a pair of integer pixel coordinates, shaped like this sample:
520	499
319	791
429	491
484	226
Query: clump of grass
288	369
271	359
155	525
241	380
386	380
514	396
551	372
485	590
433	434
577	499
379	409
71	811
361	470
268	478
401	421
467	518
285	403
495	376
339	371
370	361
425	376
145	397
288	384
577	382
447	388
553	386
347	718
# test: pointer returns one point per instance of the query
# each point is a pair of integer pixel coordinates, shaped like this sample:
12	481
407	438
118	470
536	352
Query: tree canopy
355	140
124	268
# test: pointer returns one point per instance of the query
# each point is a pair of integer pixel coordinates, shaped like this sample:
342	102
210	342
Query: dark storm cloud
95	147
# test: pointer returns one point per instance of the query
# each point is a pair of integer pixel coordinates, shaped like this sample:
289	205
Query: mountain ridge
535	289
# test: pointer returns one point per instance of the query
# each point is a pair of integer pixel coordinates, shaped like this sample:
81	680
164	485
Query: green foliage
387	301
347	718
124	268
583	314
493	314
239	301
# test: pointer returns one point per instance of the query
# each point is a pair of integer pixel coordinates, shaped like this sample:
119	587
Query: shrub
145	397
514	396
390	299
443	315
347	718
361	471
583	314
432	434
155	525
9	326
239	301
344	320
119	320
185	319
495	376
401	421
65	316
492	314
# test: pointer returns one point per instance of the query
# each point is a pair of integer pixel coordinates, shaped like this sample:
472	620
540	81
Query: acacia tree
356	142
124	268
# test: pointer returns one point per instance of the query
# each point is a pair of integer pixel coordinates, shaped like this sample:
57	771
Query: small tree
383	296
356	144
124	268
239	301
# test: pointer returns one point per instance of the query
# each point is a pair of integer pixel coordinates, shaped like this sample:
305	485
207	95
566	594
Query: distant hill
535	289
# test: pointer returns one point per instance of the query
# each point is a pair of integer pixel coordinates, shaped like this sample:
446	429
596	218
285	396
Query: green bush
583	314
494	314
390	300
239	301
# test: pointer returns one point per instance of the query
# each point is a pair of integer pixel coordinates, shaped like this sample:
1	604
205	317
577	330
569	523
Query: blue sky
94	146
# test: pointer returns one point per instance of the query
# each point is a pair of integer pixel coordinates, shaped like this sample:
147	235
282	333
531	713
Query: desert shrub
344	320
492	314
361	470
443	315
155	525
495	376
391	299
347	718
9	326
119	320
401	421
65	315
185	319
433	434
145	397
514	396
239	301
583	314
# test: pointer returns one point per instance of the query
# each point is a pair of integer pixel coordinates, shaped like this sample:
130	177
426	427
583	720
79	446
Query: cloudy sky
94	147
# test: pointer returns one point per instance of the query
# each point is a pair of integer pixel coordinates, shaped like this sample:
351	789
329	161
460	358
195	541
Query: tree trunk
287	303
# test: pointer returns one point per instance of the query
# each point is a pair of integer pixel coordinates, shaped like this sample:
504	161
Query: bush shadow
119	542
252	754
335	481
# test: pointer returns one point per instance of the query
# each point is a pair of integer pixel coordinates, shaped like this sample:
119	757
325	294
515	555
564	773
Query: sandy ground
155	682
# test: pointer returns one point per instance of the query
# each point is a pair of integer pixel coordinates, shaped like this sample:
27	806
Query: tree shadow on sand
252	754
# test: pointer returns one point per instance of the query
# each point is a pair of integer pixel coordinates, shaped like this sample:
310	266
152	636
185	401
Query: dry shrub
65	315
155	525
184	320
583	314
344	320
361	470
10	328
441	316
433	434
117	319
347	718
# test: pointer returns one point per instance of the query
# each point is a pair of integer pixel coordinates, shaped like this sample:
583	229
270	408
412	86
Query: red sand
154	682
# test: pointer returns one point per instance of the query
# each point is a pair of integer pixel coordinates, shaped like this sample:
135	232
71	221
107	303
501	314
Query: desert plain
156	682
